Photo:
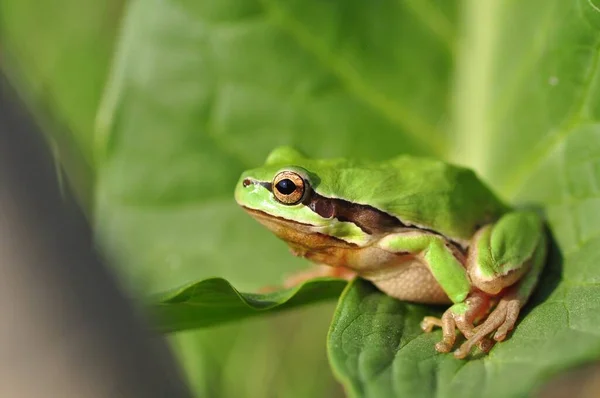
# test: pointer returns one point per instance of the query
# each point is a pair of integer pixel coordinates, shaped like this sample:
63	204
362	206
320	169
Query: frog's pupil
286	186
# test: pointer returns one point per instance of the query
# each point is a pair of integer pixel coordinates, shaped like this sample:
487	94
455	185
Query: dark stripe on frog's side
367	218
370	220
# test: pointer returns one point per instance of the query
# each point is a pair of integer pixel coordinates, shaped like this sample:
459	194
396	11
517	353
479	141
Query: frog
420	229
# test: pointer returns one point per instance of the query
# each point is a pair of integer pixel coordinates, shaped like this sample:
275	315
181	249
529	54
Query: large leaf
527	119
378	350
375	342
214	301
202	90
284	352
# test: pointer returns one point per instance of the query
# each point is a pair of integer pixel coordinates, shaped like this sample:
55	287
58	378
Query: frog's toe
429	322
478	304
482	342
485	345
448	332
512	314
461	316
462	351
443	347
501	321
465	325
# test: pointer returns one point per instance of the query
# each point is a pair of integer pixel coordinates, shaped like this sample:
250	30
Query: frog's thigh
500	254
435	252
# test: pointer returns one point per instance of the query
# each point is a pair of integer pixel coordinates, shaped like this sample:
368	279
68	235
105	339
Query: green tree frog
419	229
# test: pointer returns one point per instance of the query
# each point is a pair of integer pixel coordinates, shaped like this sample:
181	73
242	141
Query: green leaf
527	120
524	88
373	335
214	301
377	348
283	352
202	90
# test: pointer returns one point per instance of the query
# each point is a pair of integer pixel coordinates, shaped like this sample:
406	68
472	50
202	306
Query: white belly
409	281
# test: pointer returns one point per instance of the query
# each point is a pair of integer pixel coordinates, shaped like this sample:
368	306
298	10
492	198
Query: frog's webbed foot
460	316
501	321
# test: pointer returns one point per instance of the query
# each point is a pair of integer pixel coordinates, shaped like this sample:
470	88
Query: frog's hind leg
502	253
318	271
512	296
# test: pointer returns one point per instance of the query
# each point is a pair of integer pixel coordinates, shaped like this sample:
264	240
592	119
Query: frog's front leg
446	264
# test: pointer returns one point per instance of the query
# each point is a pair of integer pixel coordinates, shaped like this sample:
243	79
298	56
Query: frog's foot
460	316
268	289
501	321
429	322
319	271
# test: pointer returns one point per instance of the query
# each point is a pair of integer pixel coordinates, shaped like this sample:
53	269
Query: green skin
440	204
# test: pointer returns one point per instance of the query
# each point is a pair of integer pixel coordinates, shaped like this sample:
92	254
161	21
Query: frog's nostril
246	182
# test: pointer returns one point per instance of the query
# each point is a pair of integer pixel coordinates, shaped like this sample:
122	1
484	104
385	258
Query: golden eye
288	187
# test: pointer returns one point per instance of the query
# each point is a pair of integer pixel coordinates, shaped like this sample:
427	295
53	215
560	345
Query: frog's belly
401	276
409	281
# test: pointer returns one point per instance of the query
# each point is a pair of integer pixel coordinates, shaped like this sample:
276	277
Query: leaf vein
396	113
513	182
435	21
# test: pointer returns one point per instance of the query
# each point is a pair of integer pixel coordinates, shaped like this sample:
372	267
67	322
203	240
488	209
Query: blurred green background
154	108
58	55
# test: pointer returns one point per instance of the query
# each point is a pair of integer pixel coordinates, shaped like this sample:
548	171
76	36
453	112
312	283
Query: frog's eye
288	187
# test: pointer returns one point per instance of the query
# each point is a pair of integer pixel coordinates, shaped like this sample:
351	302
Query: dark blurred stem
77	168
66	330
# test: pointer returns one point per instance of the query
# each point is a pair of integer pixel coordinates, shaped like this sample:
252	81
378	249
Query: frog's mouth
273	222
297	234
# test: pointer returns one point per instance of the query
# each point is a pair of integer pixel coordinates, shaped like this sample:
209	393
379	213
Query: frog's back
419	191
